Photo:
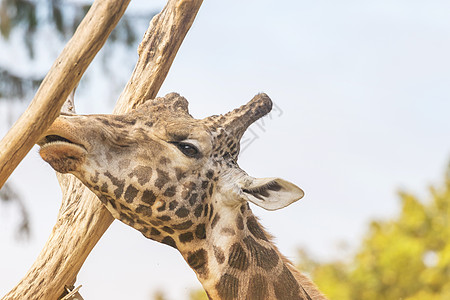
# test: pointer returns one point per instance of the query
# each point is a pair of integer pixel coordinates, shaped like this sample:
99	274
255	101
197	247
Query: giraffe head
161	171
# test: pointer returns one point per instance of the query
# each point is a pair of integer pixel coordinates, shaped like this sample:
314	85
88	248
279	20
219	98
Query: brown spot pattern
116	182
228	231
238	258
186	237
142	173
169	241
193	199
200	231
286	287
255	229
183	226
148	197
168	230
130	193
218	253
154	231
198	210
173	205
179	173
182	212
162	207
164	161
257	288
228	287
215	220
164	218
162	179
198	261
209	174
170	191
240	222
144	210
265	258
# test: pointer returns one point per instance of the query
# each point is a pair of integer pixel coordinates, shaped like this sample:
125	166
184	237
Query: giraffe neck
241	262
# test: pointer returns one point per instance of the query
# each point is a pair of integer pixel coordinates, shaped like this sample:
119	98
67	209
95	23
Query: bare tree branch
82	219
157	52
65	73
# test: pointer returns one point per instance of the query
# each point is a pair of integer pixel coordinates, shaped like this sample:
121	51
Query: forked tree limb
82	219
157	52
65	73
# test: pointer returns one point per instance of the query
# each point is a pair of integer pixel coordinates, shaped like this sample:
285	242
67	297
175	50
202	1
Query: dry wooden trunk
62	78
82	218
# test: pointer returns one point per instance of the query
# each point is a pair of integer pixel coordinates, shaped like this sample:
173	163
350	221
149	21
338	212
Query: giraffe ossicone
176	180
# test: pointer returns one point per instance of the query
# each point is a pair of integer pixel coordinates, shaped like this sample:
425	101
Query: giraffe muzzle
63	152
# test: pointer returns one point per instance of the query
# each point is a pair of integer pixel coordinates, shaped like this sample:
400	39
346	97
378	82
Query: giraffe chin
63	157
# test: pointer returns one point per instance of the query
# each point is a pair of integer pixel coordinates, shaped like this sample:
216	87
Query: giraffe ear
270	193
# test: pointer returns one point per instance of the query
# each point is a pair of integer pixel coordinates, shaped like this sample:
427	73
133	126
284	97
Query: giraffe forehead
213	142
169	119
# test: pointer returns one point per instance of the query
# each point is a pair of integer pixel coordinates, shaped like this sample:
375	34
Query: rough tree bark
64	75
82	218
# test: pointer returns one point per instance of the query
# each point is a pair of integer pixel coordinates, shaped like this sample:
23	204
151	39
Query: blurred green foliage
195	294
407	257
198	295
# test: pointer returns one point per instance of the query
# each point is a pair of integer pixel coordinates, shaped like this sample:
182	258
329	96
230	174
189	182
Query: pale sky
363	94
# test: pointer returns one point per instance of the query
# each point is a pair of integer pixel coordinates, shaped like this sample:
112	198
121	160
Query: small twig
72	294
69	106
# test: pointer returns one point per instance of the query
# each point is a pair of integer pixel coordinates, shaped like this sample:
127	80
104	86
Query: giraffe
176	180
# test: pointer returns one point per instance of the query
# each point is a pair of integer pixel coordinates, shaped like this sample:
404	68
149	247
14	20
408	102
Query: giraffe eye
187	149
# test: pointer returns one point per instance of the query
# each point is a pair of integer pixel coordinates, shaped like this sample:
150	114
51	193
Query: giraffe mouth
55	140
61	153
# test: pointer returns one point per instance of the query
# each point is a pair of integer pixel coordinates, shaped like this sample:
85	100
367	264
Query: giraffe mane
305	282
